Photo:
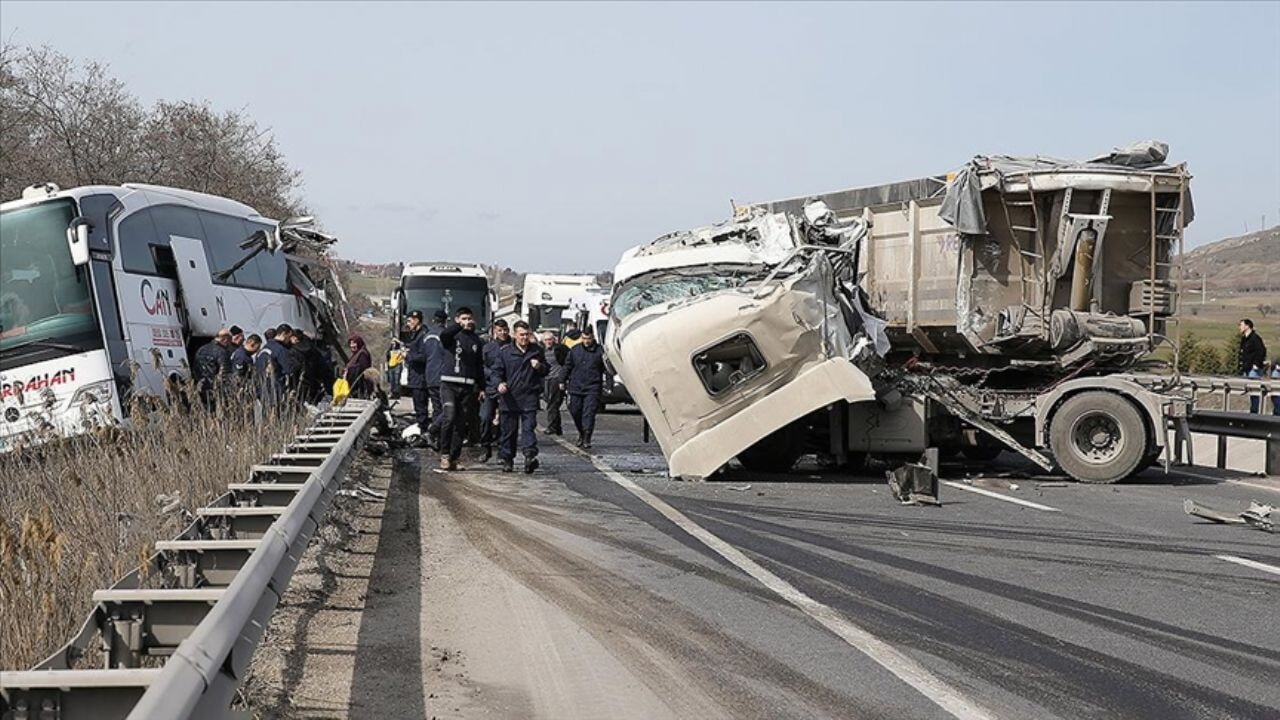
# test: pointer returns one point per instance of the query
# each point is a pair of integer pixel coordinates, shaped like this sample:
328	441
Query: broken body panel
995	293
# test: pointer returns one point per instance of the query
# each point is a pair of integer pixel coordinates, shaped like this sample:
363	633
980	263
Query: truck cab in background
545	300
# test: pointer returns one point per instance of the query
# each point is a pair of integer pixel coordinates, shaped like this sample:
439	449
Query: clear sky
552	137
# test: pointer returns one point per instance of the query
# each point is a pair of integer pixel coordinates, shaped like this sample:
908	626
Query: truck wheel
1098	437
777	452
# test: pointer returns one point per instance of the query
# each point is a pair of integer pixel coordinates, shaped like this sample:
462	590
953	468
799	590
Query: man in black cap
584	379
237	337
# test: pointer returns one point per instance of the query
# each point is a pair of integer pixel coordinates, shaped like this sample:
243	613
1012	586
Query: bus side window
166	265
135	238
223	235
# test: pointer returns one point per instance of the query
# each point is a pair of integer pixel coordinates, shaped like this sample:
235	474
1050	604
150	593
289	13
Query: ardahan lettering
38	382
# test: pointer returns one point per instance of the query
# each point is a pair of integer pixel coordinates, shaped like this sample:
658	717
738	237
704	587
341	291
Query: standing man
500	338
520	371
415	360
213	365
584	379
237	337
461	385
268	370
242	358
437	358
1253	358
279	343
555	355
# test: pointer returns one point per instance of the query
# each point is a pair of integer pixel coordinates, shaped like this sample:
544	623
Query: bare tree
76	124
1265	309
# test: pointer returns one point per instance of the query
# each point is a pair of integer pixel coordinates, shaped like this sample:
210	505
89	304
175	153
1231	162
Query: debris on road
914	484
1257	516
992	482
739	488
363	492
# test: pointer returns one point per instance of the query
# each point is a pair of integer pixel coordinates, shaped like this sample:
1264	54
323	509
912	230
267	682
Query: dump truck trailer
1009	305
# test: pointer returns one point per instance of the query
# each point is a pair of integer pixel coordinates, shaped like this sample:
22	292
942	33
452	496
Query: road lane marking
1250	564
1272	488
998	496
884	654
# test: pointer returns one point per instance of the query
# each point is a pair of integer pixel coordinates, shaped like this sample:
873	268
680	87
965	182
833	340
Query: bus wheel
1098	437
776	452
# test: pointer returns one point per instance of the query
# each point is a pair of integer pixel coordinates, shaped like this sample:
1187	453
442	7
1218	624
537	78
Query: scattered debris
739	488
1257	516
363	492
914	484
1051	485
993	482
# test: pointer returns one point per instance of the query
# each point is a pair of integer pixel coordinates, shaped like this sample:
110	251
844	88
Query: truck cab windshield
46	307
664	286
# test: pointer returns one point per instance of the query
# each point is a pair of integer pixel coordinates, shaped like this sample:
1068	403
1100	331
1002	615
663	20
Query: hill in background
1245	264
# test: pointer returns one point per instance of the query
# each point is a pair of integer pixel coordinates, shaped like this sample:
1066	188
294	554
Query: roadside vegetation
79	514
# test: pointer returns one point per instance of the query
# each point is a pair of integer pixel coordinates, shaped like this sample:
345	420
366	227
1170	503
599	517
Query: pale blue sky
552	137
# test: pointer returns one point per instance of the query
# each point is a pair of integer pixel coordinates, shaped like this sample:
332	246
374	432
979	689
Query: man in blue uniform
437	358
269	372
461	385
584	379
519	371
500	337
415	361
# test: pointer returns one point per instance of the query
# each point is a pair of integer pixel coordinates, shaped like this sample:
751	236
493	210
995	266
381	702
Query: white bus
443	286
545	301
106	291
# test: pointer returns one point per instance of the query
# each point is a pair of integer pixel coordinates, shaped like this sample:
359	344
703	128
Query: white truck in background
591	310
107	291
545	300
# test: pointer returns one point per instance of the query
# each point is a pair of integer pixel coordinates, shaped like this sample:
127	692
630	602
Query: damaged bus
107	291
1005	306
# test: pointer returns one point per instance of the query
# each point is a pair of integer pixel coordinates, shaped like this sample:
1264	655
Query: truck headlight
98	392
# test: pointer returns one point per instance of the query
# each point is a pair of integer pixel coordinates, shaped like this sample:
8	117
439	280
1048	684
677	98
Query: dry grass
78	514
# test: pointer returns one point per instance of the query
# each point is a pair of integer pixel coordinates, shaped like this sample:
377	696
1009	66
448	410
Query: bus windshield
45	301
433	292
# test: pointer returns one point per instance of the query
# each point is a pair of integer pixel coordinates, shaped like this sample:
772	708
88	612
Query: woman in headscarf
360	361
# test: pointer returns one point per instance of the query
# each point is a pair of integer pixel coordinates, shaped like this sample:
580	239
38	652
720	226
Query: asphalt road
568	594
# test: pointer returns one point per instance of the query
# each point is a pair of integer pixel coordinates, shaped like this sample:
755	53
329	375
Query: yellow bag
396	358
341	389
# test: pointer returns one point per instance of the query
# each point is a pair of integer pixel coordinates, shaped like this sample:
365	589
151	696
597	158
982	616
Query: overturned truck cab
727	335
1004	306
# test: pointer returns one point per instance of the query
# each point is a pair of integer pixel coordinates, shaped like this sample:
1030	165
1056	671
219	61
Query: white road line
1250	564
888	657
1272	488
998	496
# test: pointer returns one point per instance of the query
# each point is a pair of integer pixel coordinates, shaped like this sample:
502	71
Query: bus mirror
78	240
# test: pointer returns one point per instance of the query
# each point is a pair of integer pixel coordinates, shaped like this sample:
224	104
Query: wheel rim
1097	439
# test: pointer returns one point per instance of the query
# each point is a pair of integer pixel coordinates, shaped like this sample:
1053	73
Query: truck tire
777	452
1098	437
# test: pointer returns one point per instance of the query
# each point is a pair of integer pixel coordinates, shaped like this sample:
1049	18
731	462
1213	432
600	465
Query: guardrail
223	577
1241	425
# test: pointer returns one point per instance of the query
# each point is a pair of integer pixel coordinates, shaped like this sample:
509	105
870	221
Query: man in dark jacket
437	358
1253	358
553	393
269	372
500	337
584	379
519	371
242	365
415	361
213	366
313	370
461	385
278	342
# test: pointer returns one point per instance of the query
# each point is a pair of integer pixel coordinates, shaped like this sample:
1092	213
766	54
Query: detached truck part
1003	306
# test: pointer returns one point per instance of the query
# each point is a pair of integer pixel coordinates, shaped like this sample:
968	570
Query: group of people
456	379
282	363
1253	364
